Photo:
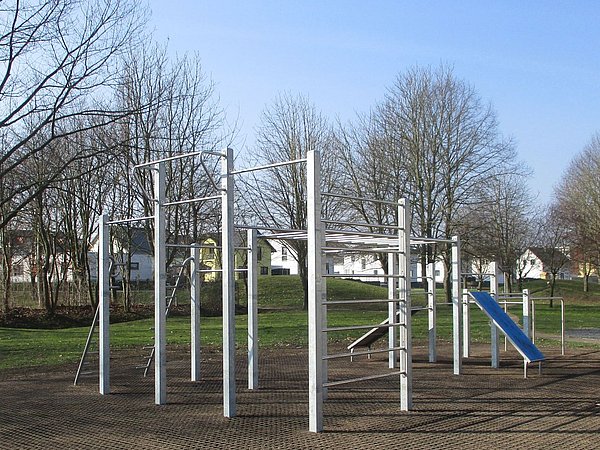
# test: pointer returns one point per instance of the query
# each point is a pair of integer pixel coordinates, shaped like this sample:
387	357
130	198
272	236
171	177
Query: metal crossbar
361	327
182	156
268	166
361	353
362	199
362	224
131	219
367	378
194	200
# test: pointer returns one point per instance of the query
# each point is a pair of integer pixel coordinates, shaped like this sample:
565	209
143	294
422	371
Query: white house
141	261
284	260
539	263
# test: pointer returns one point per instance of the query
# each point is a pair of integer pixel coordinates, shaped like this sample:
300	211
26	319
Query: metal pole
493	328
526	313
405	333
104	299
315	279
466	323
456	306
252	308
392	310
228	283
533	321
432	311
195	283
160	287
562	327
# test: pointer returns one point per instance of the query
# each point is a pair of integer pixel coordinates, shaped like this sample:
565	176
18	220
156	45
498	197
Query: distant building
539	262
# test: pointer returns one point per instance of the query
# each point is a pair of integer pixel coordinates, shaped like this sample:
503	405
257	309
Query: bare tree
58	59
577	207
437	143
291	126
503	224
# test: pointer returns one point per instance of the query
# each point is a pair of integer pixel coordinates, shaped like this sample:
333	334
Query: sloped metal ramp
511	330
376	333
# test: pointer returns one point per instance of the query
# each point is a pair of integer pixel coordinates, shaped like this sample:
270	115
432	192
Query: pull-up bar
176	157
268	166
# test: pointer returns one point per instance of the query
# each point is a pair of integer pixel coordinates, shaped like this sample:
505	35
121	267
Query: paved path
483	408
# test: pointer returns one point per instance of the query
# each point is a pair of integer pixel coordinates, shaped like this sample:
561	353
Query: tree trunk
586	282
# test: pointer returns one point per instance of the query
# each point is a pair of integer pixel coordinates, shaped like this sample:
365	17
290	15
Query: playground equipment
514	334
322	236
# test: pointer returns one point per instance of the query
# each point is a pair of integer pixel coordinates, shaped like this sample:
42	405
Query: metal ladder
148	360
83	362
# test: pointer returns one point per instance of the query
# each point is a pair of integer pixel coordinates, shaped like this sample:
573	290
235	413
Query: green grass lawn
281	322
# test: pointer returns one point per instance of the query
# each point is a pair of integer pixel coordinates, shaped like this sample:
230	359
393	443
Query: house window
532	262
284	253
134	266
259	255
17	270
363	263
264	270
437	273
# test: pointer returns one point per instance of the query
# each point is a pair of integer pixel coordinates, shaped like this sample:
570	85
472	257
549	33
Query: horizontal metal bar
360	275
173	158
193	200
363	224
218	270
367	378
193	246
545	298
362	353
132	219
361	327
351	302
268	166
362	199
421	240
360	250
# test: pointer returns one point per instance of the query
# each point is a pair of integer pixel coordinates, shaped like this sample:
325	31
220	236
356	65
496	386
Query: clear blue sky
537	62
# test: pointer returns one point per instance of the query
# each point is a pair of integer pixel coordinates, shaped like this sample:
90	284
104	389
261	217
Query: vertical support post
160	287
195	283
315	293
456	307
562	328
252	274
495	341
392	310
104	299
526	313
466	323
228	283
404	280
432	311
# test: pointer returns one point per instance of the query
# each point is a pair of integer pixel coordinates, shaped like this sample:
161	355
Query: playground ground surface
483	408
